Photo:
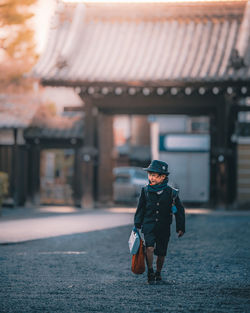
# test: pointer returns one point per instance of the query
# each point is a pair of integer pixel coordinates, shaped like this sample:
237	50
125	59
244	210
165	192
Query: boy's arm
139	214
180	217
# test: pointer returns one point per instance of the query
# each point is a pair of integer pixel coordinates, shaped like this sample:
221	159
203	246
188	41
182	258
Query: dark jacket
155	211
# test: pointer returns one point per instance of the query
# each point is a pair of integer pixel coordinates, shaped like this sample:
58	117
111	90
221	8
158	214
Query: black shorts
157	240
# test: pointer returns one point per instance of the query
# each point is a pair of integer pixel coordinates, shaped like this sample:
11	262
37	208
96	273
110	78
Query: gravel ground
206	271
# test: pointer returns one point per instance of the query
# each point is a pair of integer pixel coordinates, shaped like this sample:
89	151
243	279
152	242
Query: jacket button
157	203
156	220
157	212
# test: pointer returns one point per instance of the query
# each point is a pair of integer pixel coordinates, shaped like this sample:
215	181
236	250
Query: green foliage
4	186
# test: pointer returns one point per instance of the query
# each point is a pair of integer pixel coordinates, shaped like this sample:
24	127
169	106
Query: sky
139	1
43	11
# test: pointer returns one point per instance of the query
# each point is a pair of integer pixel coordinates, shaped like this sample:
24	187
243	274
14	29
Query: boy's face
156	178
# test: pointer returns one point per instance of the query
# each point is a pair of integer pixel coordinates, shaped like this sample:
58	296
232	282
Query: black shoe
158	278
151	276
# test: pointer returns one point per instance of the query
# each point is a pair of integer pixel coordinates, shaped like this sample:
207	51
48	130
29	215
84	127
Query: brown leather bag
138	262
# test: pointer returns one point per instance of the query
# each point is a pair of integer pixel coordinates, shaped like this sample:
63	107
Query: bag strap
174	194
135	230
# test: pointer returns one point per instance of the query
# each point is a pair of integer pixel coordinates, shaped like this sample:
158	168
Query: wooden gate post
225	154
89	154
232	157
106	159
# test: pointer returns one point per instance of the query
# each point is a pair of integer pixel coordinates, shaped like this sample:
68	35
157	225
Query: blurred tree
17	47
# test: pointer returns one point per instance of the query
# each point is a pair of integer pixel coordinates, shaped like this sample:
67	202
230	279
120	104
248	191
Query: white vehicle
128	182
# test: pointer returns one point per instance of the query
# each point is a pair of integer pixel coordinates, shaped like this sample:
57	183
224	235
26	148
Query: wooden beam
139	104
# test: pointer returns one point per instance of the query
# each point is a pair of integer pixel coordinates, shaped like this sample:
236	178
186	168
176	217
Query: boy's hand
180	233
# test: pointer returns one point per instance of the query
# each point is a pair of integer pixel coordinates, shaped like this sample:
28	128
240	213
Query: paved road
206	271
23	224
44	223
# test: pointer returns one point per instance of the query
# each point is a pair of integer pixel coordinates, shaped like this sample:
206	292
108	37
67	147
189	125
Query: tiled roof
17	111
46	126
74	132
26	112
147	45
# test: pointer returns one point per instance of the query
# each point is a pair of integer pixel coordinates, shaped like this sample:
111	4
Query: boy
154	215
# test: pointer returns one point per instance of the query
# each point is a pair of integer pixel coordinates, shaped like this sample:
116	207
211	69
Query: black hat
158	167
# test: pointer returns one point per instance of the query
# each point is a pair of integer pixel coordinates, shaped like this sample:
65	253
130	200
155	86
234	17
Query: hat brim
148	169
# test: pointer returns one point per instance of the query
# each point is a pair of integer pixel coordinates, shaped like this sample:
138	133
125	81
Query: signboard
184	142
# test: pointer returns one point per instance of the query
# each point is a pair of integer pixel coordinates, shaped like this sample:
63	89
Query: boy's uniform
154	216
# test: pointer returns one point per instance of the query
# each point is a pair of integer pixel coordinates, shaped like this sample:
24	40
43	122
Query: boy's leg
161	251
150	243
159	262
150	257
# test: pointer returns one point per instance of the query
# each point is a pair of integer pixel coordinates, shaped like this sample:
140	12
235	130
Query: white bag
134	242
